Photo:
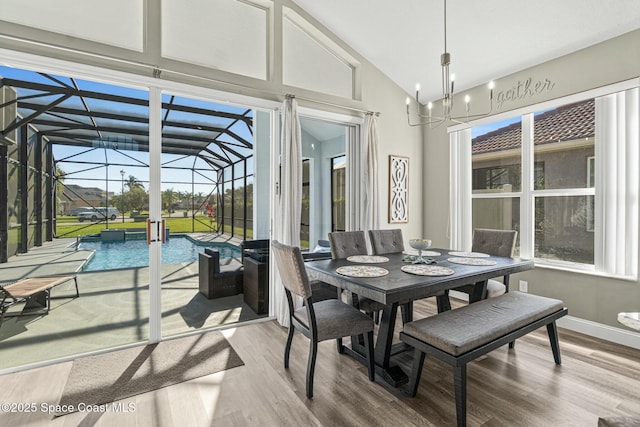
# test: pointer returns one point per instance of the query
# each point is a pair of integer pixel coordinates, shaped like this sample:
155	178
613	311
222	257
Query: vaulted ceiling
487	39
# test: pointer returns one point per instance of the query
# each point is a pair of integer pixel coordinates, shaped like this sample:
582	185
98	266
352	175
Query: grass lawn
69	227
176	225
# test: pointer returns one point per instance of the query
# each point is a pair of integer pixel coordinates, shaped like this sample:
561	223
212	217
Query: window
565	177
305	220
564	140
338	193
227	35
313	61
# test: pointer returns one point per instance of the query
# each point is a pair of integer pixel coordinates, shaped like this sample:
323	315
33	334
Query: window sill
577	268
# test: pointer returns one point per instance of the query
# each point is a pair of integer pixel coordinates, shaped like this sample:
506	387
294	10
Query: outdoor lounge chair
33	291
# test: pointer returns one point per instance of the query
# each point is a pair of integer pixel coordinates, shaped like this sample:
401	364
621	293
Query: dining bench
31	289
459	336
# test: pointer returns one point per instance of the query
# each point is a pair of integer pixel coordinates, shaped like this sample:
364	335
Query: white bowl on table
420	245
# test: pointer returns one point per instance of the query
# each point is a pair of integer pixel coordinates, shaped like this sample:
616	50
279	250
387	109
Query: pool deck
112	309
60	257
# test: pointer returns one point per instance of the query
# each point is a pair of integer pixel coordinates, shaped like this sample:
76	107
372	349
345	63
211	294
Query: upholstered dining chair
318	321
386	241
348	243
497	243
391	241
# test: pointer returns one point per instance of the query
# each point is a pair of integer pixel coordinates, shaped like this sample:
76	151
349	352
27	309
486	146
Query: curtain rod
359	110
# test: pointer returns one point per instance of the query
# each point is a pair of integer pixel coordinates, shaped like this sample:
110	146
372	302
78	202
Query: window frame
461	198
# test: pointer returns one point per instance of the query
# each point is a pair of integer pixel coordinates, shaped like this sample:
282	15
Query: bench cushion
461	330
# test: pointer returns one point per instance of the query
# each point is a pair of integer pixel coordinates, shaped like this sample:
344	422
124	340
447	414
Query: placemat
472	261
367	259
362	271
469	254
427	270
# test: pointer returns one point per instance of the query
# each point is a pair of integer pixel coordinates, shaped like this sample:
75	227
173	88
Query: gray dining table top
398	286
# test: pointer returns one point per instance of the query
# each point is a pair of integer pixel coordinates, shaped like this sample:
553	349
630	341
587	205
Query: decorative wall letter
398	189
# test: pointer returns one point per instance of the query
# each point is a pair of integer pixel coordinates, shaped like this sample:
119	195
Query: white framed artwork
398	189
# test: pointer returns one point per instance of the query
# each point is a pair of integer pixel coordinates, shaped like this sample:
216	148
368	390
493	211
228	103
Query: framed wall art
398	189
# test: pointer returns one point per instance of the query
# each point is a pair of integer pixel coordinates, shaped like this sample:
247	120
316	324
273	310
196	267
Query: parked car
96	214
76	211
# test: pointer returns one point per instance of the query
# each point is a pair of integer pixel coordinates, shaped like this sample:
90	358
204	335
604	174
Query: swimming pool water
135	253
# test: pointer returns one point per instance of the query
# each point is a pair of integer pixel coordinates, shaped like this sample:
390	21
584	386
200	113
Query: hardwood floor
520	387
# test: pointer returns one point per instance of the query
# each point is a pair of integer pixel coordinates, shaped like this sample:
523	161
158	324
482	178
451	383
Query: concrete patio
112	309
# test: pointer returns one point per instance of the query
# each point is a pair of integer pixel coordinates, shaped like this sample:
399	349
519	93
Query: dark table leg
393	375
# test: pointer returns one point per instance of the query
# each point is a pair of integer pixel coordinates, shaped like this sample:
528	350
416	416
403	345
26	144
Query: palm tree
168	199
132	182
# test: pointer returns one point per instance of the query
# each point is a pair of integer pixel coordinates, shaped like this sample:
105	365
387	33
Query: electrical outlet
523	286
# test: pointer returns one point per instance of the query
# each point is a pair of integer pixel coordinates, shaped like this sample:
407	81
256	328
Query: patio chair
318	321
345	244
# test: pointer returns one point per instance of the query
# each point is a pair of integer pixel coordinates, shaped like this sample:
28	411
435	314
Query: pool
135	253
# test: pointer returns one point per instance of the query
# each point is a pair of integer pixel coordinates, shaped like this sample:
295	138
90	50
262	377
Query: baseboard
587	327
598	330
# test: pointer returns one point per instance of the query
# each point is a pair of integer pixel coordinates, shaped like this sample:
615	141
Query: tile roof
564	123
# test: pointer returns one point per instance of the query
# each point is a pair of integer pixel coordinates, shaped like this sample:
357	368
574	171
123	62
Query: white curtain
370	219
460	221
287	221
617	180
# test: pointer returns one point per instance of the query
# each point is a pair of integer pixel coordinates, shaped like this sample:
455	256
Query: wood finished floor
520	387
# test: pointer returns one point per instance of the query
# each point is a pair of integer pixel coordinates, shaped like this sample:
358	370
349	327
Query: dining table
395	281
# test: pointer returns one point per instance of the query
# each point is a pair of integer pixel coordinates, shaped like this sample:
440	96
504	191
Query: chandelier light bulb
448	90
408	100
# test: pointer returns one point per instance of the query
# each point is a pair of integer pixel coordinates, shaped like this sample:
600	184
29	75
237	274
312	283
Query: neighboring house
563	158
75	196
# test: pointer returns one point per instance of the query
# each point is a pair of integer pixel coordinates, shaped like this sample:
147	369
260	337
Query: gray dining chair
497	243
386	241
318	321
391	241
348	243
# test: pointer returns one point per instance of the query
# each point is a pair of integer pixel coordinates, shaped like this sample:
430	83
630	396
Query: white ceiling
487	39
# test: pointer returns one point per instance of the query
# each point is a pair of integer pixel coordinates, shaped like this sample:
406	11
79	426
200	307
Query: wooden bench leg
553	340
416	372
460	384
